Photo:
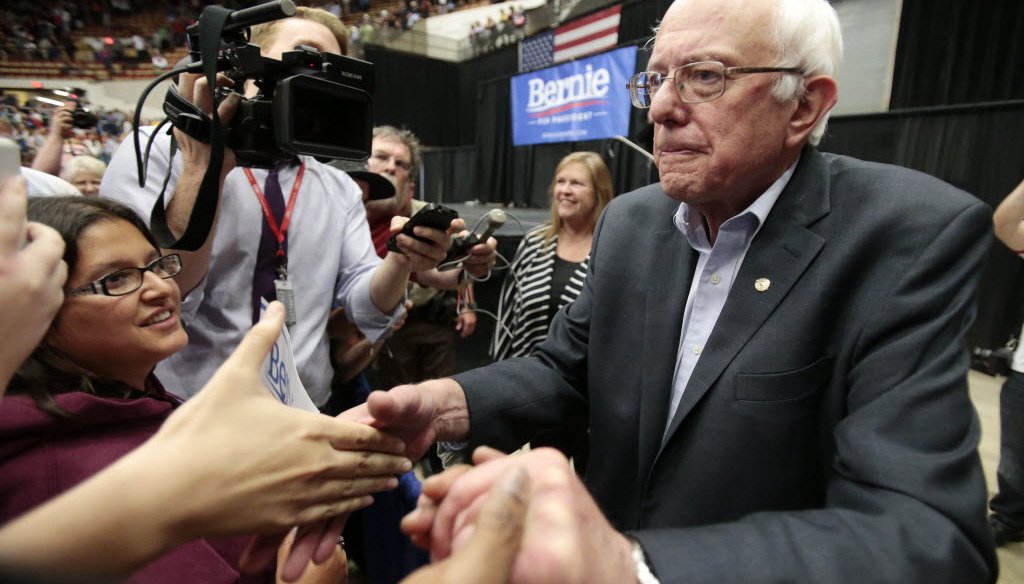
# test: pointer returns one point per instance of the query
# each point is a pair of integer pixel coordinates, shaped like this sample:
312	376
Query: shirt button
716	279
696	349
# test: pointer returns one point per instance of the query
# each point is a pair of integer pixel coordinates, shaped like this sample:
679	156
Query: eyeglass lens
696	82
129	280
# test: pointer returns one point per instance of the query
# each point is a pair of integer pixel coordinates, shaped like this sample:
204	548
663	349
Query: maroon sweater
41	456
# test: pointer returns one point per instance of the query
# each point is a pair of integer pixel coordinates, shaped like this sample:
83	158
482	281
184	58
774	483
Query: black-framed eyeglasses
696	82
129	280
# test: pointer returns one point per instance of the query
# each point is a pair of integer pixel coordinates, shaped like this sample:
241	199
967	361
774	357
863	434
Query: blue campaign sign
582	100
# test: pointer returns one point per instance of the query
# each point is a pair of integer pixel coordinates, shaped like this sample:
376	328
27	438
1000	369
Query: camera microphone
491	222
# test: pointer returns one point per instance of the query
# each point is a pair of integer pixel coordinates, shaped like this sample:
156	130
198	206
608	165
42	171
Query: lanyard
280	233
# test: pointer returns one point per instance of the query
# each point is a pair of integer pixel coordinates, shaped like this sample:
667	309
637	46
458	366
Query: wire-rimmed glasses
696	82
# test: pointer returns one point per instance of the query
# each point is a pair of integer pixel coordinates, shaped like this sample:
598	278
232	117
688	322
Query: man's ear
820	95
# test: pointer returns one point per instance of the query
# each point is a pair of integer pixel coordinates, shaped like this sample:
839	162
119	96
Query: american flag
537	51
590	34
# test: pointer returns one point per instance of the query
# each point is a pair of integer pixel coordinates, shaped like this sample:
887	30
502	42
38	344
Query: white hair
806	35
83	164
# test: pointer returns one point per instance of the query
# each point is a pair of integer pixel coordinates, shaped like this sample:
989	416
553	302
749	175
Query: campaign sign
582	100
279	375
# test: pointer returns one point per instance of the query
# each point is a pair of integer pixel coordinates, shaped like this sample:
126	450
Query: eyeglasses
129	280
696	82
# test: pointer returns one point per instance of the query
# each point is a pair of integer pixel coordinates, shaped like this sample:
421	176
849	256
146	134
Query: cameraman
326	245
1007	519
48	158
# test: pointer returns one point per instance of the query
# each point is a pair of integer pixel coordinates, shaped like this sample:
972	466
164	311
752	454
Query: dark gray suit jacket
826	434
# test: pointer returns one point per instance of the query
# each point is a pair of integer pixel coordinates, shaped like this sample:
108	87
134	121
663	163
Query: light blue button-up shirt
717	266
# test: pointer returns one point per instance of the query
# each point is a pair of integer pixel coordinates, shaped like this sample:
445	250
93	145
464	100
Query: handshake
523	518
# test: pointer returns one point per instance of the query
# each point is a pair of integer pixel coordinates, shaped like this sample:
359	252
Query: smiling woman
87	396
550	265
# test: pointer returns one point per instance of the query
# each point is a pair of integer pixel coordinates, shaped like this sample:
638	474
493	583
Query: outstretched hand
264	466
566	538
419	414
497	532
32	277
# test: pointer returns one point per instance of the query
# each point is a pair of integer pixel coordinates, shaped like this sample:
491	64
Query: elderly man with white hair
768	351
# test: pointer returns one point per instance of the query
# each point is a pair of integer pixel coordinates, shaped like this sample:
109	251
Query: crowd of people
712	344
488	34
53	32
32	124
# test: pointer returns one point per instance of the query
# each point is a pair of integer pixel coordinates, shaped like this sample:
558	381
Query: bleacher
86	66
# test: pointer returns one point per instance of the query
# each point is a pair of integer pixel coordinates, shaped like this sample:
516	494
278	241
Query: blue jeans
1008	504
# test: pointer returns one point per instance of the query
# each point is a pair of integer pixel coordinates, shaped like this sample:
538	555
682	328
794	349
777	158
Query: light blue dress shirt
717	266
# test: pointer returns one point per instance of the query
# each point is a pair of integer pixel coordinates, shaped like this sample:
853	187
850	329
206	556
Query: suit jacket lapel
663	321
780	253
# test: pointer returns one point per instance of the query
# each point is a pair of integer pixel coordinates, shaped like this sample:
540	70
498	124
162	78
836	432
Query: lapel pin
762	284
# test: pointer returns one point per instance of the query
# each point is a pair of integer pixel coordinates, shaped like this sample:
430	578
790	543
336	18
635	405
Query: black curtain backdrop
639	17
958	51
979	149
435	99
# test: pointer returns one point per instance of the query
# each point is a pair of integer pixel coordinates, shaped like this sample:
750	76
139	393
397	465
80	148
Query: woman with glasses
87	395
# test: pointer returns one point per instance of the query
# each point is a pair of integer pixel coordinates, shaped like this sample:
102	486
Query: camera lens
83	119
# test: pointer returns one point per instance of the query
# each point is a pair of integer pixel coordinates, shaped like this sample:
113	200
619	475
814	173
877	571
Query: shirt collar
691	224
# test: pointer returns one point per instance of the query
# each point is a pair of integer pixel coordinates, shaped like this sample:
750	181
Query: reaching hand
418	414
263	466
566	538
32	277
488	557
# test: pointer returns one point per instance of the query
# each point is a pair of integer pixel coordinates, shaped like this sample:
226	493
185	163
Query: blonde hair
600	178
263	34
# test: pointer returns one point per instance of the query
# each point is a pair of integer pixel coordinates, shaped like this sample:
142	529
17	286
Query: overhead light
49	101
61	92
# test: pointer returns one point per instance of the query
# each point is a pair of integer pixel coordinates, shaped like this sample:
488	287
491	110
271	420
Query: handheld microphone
491	222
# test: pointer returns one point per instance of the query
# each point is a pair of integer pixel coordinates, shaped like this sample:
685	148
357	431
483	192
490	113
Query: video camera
311	103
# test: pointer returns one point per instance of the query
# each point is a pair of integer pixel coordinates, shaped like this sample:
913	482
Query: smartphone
436	216
10	159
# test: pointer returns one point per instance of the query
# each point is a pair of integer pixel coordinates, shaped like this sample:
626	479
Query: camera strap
200	221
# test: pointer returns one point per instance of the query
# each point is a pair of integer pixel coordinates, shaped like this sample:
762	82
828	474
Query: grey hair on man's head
806	35
411	142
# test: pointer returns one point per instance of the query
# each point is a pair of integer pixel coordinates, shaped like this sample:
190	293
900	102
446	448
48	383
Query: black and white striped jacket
525	295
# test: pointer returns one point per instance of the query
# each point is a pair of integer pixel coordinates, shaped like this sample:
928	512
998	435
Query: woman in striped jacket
550	265
548	270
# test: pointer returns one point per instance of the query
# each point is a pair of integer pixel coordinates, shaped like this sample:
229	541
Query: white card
279	374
